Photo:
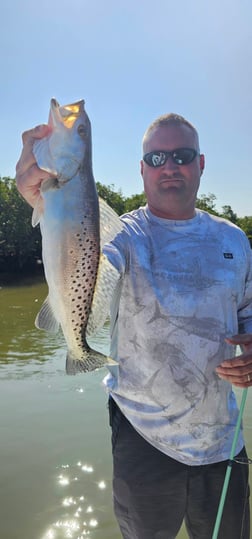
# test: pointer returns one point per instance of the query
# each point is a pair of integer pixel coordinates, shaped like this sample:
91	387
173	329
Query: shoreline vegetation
20	243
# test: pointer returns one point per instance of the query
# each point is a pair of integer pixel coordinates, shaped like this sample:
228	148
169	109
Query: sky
131	62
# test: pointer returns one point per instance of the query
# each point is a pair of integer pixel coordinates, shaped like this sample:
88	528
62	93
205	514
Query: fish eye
82	130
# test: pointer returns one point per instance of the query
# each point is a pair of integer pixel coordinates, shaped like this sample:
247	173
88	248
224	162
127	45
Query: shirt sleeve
245	309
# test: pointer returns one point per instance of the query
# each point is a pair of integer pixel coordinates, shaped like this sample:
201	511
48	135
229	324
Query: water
55	475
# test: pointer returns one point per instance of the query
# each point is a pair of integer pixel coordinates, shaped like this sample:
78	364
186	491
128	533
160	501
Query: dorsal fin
110	223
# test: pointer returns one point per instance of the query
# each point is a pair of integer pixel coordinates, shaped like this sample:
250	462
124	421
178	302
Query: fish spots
73	260
81	294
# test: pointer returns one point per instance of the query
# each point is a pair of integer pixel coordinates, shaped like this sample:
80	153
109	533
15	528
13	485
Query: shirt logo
228	255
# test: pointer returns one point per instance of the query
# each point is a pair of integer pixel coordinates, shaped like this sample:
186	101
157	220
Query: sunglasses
180	156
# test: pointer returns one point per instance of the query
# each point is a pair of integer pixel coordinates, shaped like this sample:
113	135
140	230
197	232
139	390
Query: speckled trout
74	225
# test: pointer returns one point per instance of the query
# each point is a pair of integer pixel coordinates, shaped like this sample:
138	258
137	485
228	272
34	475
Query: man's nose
170	164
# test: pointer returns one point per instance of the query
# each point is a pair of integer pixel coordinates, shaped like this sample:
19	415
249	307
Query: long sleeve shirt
184	287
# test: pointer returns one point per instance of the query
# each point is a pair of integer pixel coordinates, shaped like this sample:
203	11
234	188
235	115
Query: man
183	302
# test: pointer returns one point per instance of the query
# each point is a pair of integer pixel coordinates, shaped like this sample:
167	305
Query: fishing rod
229	466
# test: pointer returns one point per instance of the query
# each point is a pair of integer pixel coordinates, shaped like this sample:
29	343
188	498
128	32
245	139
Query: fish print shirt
184	287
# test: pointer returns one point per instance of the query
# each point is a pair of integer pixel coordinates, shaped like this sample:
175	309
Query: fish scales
69	219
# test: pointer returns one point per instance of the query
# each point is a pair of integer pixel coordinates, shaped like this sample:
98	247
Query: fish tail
90	361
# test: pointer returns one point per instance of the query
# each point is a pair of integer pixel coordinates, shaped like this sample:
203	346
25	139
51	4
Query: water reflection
55	453
21	343
19	339
50	418
78	514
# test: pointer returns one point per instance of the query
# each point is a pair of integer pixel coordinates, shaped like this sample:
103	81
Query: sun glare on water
78	516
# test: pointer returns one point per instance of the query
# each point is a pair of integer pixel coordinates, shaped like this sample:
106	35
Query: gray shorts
154	493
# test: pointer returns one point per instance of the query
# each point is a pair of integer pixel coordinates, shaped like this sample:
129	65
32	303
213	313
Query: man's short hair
169	119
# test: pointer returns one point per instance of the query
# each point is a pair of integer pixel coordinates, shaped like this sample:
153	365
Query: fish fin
113	367
45	319
49	184
110	223
43	156
106	282
90	361
37	212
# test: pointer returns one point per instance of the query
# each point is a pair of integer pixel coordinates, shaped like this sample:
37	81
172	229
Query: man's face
171	189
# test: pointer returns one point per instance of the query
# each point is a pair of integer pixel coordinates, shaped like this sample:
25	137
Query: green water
55	473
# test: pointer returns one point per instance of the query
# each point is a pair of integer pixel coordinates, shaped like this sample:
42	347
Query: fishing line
229	466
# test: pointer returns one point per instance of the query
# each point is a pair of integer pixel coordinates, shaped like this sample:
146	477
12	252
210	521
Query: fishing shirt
184	287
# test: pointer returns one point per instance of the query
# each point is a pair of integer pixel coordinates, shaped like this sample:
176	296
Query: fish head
70	137
63	151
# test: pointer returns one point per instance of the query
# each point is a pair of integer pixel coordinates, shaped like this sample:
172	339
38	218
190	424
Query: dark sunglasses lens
181	156
155	159
184	156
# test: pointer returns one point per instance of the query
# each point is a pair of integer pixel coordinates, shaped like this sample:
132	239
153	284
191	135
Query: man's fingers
240	339
28	175
29	183
40	131
27	158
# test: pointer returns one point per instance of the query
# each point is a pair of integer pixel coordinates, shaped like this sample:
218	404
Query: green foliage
134	202
246	224
117	201
20	243
207	203
229	214
114	199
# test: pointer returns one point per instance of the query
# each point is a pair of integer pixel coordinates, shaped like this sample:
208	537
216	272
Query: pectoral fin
45	319
37	212
43	155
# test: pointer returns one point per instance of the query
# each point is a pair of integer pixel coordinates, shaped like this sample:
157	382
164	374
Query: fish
74	224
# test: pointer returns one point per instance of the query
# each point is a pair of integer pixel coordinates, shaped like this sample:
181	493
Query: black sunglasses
180	156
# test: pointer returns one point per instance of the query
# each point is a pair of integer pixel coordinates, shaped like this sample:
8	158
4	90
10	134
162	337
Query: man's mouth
165	178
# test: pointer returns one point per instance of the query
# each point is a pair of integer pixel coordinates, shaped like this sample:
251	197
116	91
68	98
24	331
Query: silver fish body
70	226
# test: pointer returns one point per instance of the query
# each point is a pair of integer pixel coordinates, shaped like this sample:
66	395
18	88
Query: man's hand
28	175
238	370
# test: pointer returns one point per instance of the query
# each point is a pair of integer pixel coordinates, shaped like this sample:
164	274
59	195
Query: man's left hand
238	370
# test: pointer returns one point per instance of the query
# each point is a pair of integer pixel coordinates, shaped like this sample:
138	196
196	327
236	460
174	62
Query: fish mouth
67	114
54	103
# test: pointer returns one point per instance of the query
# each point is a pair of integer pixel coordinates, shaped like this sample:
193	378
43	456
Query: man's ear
141	166
202	163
